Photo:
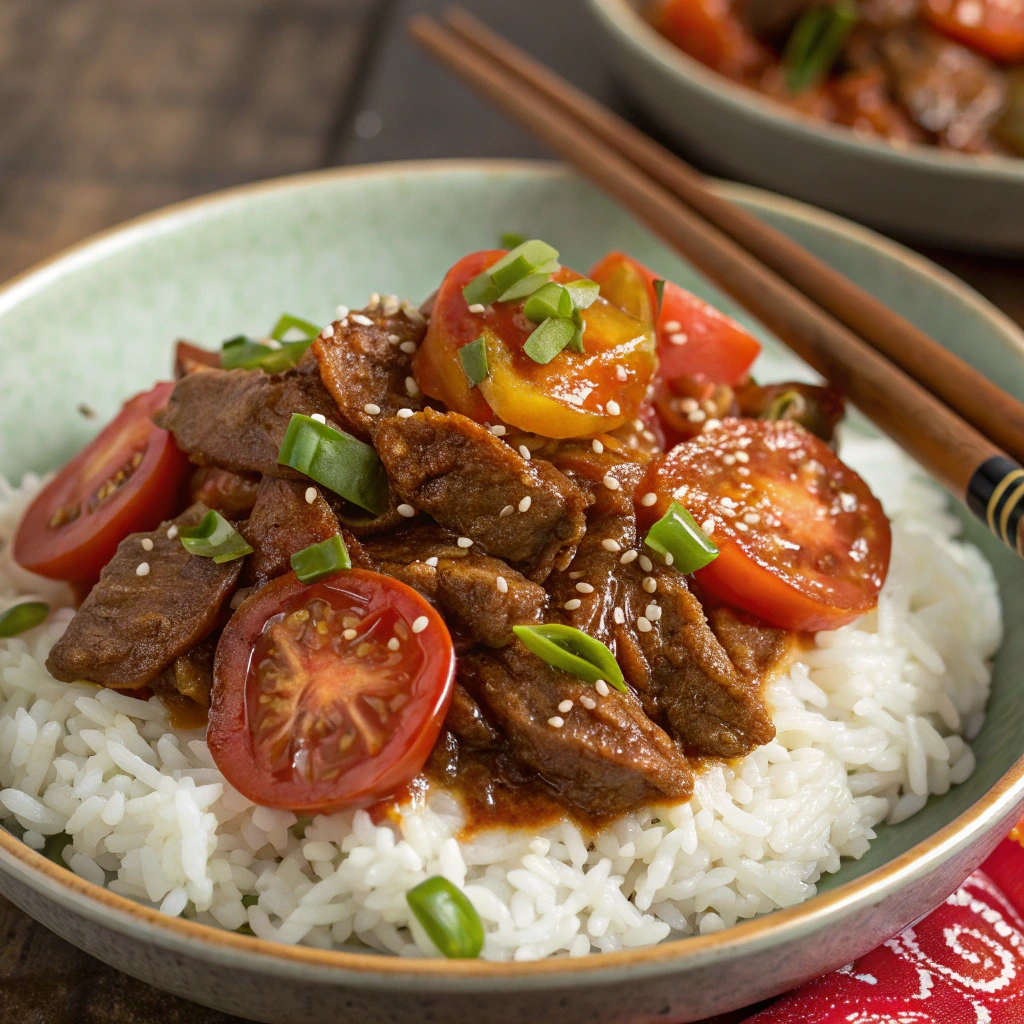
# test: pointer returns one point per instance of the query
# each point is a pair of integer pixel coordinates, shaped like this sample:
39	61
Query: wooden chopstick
968	462
982	403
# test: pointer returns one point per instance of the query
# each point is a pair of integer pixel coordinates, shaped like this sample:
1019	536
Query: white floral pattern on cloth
962	964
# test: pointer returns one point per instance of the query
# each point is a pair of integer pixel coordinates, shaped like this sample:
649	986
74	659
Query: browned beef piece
283	522
236	419
818	409
602	760
467	721
463	583
231	494
131	627
770	19
755	648
364	365
590	470
189	358
458	472
191	675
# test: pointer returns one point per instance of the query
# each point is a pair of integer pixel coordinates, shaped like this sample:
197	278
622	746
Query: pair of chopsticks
954	421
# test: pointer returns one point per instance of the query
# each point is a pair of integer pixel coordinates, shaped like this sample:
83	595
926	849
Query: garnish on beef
133	626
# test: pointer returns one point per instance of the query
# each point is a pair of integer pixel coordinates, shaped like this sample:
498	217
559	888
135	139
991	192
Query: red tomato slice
993	27
694	339
312	711
129	478
803	543
188	358
709	31
577	394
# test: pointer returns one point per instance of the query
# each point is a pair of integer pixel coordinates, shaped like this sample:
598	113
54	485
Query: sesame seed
646	564
147	544
506	511
644	624
343	323
477	307
412	389
556	722
669	558
310	495
393	644
172	532
350	634
609	544
524	505
752	518
358	318
588	702
597	446
678	338
610	482
404	414
319	417
464	542
576	575
328	331
498	430
394	338
406	510
390	306
638	425
341	312
729	459
420	623
628	556
688	404
565	706
572	604
650	584
374	301
742	457
613	408
649	436
143	569
672	326
697	416
620	373
372	408
584	588
602	687
432	561
742	471
648	499
408	347
525	452
619	615
412	313
712	424
708	526
653	612
502	584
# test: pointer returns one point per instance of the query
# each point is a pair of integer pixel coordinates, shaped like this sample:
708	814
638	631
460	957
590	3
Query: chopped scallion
474	361
288	322
584	292
549	339
245	354
337	460
576	342
572	651
549	300
447	917
323	559
815	43
509	240
22	617
529	284
214	537
789	405
526	259
659	296
677	533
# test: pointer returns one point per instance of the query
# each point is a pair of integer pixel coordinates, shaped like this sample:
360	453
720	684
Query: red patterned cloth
962	964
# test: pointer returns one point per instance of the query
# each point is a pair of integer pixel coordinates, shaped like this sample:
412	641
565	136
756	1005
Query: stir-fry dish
945	72
539	547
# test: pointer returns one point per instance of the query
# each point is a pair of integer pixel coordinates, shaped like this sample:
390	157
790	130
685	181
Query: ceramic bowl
920	192
96	324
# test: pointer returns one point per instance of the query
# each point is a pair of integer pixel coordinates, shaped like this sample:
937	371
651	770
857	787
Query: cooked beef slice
131	627
231	494
754	647
463	584
458	472
469	724
191	675
364	364
603	760
236	419
592	470
282	523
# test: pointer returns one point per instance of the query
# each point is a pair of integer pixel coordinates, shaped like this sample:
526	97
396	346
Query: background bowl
96	324
920	192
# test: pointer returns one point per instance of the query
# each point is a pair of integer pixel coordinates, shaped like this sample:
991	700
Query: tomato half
993	27
312	710
694	338
577	394
710	31
803	542
130	478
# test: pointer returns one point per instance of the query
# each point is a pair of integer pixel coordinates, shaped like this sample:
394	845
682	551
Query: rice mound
871	721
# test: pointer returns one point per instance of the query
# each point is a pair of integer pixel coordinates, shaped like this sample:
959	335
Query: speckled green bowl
96	324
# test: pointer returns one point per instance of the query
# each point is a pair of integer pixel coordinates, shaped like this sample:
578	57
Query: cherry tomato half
129	478
803	543
312	710
567	397
996	27
710	31
694	338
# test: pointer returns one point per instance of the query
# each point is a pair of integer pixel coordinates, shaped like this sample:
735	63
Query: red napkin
963	964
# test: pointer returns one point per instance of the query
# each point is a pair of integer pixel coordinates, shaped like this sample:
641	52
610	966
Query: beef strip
602	760
458	472
236	419
282	523
191	675
467	721
131	627
755	648
364	365
231	494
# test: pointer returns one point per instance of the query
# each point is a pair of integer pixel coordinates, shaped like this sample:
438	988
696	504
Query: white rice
870	722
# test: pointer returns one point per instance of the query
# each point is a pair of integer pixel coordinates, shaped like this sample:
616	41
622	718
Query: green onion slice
214	537
510	240
529	284
288	322
549	300
815	43
549	339
677	534
524	260
245	354
787	405
337	460
474	361
584	292
576	342
659	296
323	559
572	651
447	917
22	617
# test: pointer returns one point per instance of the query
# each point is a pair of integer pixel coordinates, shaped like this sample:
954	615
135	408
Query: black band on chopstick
996	495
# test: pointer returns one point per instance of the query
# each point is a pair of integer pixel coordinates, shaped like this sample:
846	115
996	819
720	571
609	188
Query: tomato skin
709	31
807	544
77	550
717	349
236	695
998	32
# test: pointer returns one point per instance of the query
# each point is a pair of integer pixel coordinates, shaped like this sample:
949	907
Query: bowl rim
622	17
125	915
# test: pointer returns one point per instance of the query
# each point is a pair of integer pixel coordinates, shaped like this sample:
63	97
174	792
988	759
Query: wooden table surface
109	109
